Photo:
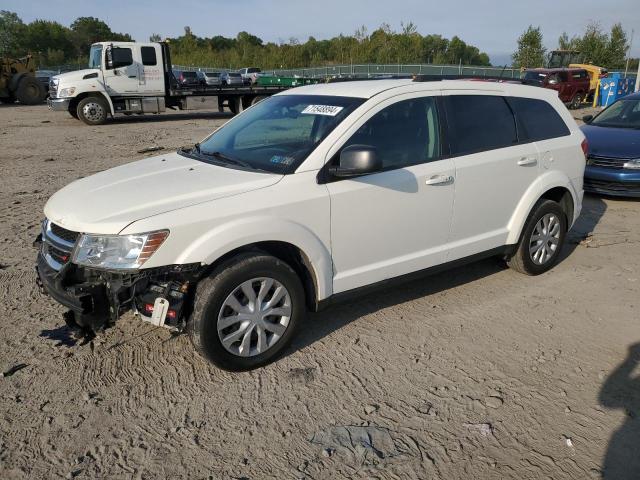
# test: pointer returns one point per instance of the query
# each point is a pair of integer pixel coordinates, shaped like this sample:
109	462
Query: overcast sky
492	26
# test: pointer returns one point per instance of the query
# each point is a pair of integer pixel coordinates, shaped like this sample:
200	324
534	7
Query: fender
543	184
242	232
103	94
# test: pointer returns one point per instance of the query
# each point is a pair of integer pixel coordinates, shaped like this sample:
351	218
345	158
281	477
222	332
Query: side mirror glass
587	118
357	160
108	56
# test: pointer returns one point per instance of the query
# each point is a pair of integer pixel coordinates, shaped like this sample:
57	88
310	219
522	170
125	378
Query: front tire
92	110
30	91
246	311
541	240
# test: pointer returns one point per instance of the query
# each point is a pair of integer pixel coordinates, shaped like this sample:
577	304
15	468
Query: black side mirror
357	160
587	118
108	57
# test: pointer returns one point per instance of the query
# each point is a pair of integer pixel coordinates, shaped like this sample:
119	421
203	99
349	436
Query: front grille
614	187
598	161
58	255
58	244
53	88
63	233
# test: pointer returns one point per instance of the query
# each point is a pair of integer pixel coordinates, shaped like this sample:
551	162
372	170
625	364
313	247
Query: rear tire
92	110
269	312
30	91
541	240
576	101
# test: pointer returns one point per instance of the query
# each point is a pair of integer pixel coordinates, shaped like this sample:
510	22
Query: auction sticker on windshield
330	110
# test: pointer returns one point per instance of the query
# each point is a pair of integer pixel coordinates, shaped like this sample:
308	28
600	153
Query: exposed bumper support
59	104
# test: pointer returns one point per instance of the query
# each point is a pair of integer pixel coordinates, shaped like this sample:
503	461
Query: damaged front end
96	298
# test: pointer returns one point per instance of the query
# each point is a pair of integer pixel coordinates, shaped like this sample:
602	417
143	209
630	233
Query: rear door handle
439	180
524	161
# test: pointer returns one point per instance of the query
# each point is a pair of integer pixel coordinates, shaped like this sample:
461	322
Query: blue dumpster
614	87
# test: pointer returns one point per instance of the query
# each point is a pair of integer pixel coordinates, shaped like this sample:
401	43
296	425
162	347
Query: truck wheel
30	91
541	240
246	311
576	101
92	110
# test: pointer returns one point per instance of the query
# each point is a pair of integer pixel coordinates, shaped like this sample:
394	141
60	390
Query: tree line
53	44
595	45
382	46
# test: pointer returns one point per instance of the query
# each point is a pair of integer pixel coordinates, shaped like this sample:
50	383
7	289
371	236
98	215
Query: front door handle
439	180
524	161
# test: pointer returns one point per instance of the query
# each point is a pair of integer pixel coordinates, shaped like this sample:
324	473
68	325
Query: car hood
75	76
612	142
108	201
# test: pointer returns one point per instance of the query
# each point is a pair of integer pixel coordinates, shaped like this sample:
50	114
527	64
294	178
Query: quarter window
538	119
148	56
479	122
405	133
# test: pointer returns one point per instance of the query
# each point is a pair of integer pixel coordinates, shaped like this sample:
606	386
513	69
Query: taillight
585	147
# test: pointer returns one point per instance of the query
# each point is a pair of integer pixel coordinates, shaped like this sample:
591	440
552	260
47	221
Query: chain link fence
356	71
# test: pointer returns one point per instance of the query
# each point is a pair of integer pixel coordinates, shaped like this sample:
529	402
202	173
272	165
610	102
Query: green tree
530	51
617	47
155	37
11	31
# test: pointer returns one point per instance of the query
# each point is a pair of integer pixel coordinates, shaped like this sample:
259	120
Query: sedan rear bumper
612	181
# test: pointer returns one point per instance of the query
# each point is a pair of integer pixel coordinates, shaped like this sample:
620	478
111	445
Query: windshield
212	75
534	77
95	56
624	113
278	133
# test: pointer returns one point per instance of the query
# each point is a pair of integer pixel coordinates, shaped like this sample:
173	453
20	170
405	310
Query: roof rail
488	78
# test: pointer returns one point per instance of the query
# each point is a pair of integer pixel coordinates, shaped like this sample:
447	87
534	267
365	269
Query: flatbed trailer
136	78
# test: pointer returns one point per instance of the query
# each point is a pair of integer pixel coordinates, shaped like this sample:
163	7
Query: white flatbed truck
136	78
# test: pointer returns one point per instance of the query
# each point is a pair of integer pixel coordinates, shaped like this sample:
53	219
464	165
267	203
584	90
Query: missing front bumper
98	298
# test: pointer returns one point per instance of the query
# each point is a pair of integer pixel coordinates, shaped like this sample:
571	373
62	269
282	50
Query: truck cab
124	77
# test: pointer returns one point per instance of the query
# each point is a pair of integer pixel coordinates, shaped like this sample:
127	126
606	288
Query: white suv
308	196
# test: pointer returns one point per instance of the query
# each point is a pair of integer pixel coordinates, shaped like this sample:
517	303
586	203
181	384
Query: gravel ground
478	372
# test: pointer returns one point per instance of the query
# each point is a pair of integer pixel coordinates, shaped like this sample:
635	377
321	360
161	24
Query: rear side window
478	123
538	119
148	56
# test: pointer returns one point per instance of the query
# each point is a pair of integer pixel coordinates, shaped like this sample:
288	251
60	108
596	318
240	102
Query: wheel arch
554	186
288	253
73	104
286	239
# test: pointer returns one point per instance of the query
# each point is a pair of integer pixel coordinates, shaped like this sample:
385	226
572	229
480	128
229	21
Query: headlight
117	251
632	164
67	92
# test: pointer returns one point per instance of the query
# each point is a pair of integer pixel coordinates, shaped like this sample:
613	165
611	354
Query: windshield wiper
228	159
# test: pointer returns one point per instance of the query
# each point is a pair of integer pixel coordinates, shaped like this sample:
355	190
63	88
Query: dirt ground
478	372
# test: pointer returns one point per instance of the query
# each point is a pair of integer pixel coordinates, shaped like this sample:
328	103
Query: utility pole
628	54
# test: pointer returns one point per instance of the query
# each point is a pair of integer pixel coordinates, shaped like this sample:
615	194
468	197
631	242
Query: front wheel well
288	253
73	104
562	196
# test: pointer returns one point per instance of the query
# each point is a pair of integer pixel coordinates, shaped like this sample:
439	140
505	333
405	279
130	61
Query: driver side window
405	133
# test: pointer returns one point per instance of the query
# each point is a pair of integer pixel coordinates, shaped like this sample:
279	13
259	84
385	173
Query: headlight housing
67	92
633	164
117	252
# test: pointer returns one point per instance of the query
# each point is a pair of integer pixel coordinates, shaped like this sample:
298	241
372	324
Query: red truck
572	84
